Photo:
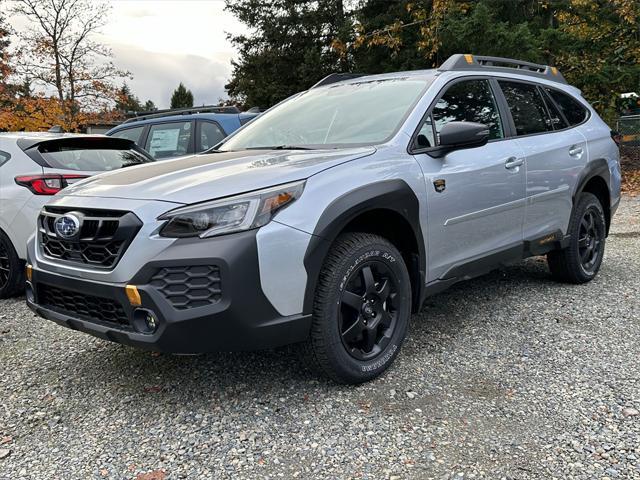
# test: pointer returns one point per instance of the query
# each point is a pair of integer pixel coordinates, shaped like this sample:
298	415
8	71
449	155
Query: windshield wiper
280	147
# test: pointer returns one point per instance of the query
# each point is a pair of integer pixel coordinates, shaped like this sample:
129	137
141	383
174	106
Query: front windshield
360	113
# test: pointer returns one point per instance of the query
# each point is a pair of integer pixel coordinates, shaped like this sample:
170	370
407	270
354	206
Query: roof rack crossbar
336	77
184	111
461	62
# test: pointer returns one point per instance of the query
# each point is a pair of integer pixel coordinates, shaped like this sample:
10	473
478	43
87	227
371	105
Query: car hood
214	175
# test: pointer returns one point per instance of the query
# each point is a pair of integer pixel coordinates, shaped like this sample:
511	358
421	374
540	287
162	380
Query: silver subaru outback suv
331	217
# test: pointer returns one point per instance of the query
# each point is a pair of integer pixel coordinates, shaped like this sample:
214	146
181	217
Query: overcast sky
165	42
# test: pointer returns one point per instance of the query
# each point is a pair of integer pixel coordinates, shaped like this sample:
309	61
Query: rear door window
573	111
133	134
166	140
527	107
210	135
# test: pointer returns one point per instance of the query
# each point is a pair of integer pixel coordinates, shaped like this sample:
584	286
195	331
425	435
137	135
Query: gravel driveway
507	376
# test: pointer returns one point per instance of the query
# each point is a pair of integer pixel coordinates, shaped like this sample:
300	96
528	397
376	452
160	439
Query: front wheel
361	308
581	260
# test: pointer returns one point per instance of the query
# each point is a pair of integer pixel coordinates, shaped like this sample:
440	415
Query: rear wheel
361	309
581	260
11	269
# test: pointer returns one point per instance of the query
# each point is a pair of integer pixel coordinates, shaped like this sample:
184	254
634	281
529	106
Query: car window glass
573	111
167	140
468	101
557	120
210	135
4	157
527	107
99	159
130	134
425	137
341	114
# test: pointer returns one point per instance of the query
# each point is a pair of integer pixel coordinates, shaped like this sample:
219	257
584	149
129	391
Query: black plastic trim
243	319
394	195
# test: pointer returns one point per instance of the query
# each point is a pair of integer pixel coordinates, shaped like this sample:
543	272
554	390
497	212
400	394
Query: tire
361	309
11	269
581	260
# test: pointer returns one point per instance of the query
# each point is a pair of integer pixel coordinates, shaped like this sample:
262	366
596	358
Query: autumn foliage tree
58	53
292	44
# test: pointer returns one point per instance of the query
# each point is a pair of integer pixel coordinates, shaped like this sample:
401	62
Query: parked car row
329	218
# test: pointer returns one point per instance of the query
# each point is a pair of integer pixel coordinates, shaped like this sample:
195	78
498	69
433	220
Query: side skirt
483	265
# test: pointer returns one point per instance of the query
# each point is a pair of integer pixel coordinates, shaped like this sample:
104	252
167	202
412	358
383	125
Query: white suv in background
35	166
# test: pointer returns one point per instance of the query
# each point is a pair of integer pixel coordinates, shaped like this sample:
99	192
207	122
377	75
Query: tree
5	69
596	44
59	52
127	101
149	106
181	98
292	45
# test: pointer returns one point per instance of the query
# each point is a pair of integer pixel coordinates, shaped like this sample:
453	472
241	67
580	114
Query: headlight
233	214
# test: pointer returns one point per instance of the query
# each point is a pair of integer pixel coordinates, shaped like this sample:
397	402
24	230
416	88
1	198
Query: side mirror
459	135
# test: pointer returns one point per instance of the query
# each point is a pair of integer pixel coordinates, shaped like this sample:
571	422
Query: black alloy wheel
361	311
590	239
580	260
368	315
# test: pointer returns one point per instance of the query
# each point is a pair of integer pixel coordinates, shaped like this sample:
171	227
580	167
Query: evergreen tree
295	44
181	98
127	101
149	106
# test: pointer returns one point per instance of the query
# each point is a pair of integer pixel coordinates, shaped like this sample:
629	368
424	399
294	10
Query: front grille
102	240
189	287
79	305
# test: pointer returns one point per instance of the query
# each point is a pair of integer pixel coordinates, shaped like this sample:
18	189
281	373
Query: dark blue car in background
174	133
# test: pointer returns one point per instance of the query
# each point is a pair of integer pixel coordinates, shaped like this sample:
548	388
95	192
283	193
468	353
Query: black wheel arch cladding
595	173
396	196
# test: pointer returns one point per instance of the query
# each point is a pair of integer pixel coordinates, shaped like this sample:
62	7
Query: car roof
221	117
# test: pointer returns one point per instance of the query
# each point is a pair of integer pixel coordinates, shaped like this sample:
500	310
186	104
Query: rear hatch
68	159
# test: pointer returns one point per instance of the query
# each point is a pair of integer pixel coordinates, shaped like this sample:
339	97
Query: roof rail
336	77
184	111
461	62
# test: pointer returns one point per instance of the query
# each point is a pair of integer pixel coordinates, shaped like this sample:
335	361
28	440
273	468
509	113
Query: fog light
150	320
28	271
145	321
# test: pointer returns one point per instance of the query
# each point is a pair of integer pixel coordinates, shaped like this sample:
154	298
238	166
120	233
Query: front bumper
237	317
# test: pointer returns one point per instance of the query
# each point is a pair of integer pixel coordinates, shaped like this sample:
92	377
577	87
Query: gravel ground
507	376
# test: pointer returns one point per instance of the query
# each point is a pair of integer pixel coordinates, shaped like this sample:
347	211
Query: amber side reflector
133	295
469	58
554	70
28	270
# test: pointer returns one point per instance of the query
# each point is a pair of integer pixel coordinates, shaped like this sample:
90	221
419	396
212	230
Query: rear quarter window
574	111
132	134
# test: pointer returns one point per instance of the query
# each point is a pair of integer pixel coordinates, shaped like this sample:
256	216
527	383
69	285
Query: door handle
513	162
575	150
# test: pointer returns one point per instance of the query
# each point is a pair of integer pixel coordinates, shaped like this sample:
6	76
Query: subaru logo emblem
67	226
